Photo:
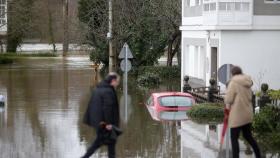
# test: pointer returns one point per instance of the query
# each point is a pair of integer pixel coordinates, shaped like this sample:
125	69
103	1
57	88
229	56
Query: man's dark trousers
98	143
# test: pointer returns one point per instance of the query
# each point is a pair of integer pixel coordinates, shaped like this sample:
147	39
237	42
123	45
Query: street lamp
110	37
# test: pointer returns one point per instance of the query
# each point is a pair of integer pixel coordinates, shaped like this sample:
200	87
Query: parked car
169	105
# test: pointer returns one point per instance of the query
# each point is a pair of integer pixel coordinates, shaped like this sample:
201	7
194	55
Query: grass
9	58
46	54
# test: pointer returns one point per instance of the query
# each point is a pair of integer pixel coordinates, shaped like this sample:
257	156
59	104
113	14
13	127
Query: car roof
164	94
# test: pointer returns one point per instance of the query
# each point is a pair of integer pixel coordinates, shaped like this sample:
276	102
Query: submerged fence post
264	97
186	87
212	90
254	102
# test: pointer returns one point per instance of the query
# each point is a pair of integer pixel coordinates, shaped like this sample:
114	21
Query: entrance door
214	62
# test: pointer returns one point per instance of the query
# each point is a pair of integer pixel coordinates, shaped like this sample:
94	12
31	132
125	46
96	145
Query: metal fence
212	94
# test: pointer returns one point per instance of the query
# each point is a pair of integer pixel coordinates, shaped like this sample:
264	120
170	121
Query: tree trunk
12	41
179	57
171	52
65	27
51	34
177	49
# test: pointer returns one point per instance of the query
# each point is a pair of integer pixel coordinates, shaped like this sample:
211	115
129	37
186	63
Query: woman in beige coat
239	102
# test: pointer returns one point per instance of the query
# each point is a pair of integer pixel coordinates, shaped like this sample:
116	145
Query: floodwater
46	100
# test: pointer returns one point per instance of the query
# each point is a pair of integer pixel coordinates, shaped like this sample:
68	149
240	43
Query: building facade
3	17
238	32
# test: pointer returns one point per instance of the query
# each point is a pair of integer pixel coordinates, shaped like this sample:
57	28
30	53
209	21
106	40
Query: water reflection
43	109
46	100
162	115
3	107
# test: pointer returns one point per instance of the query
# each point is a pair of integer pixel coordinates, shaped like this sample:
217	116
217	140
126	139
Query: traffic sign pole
125	54
125	96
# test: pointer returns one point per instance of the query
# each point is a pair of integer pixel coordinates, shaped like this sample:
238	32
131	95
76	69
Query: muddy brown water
46	100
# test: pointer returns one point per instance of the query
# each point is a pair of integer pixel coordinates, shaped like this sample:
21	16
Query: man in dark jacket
103	113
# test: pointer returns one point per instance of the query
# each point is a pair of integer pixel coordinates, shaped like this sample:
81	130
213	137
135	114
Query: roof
162	94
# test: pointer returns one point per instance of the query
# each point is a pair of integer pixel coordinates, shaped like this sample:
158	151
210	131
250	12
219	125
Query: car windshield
175	101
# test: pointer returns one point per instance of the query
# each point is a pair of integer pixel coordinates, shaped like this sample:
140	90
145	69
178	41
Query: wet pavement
46	100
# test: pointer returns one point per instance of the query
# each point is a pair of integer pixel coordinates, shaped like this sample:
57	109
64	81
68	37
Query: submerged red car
169	105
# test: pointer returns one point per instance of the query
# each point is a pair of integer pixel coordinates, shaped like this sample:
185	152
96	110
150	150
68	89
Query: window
3	2
2	12
237	6
192	3
245	6
230	6
223	6
175	101
209	7
206	7
271	1
212	6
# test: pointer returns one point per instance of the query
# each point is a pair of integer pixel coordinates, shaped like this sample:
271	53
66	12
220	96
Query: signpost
224	75
125	54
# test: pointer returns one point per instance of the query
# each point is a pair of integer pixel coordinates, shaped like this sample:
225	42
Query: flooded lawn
46	100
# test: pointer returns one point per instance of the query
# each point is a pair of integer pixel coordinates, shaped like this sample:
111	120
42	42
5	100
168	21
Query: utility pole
65	27
110	38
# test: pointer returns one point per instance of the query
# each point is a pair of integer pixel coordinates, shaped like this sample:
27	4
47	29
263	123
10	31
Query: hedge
266	127
162	71
207	113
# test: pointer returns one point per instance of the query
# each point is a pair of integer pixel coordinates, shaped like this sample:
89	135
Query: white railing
227	12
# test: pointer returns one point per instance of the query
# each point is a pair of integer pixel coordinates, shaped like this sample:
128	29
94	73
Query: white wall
194	56
266	22
257	52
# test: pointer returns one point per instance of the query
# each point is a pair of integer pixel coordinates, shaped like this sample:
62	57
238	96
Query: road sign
125	108
128	68
125	50
224	73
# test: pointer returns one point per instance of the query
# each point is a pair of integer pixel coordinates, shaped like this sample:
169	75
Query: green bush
148	80
267	120
207	113
274	94
6	60
162	71
150	76
266	127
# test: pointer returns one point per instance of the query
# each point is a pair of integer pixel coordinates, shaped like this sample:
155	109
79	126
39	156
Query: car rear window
175	101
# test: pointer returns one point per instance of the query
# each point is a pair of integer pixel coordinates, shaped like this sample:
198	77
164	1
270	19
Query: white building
3	17
238	32
203	141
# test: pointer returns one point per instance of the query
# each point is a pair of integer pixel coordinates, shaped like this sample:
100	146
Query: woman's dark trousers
98	143
247	134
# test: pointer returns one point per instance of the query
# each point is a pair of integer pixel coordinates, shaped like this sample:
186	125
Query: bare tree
50	26
169	12
20	23
148	26
65	27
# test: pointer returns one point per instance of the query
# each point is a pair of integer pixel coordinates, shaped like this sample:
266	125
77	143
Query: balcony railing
227	12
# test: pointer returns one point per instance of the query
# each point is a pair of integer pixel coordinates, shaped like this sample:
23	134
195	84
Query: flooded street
46	100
